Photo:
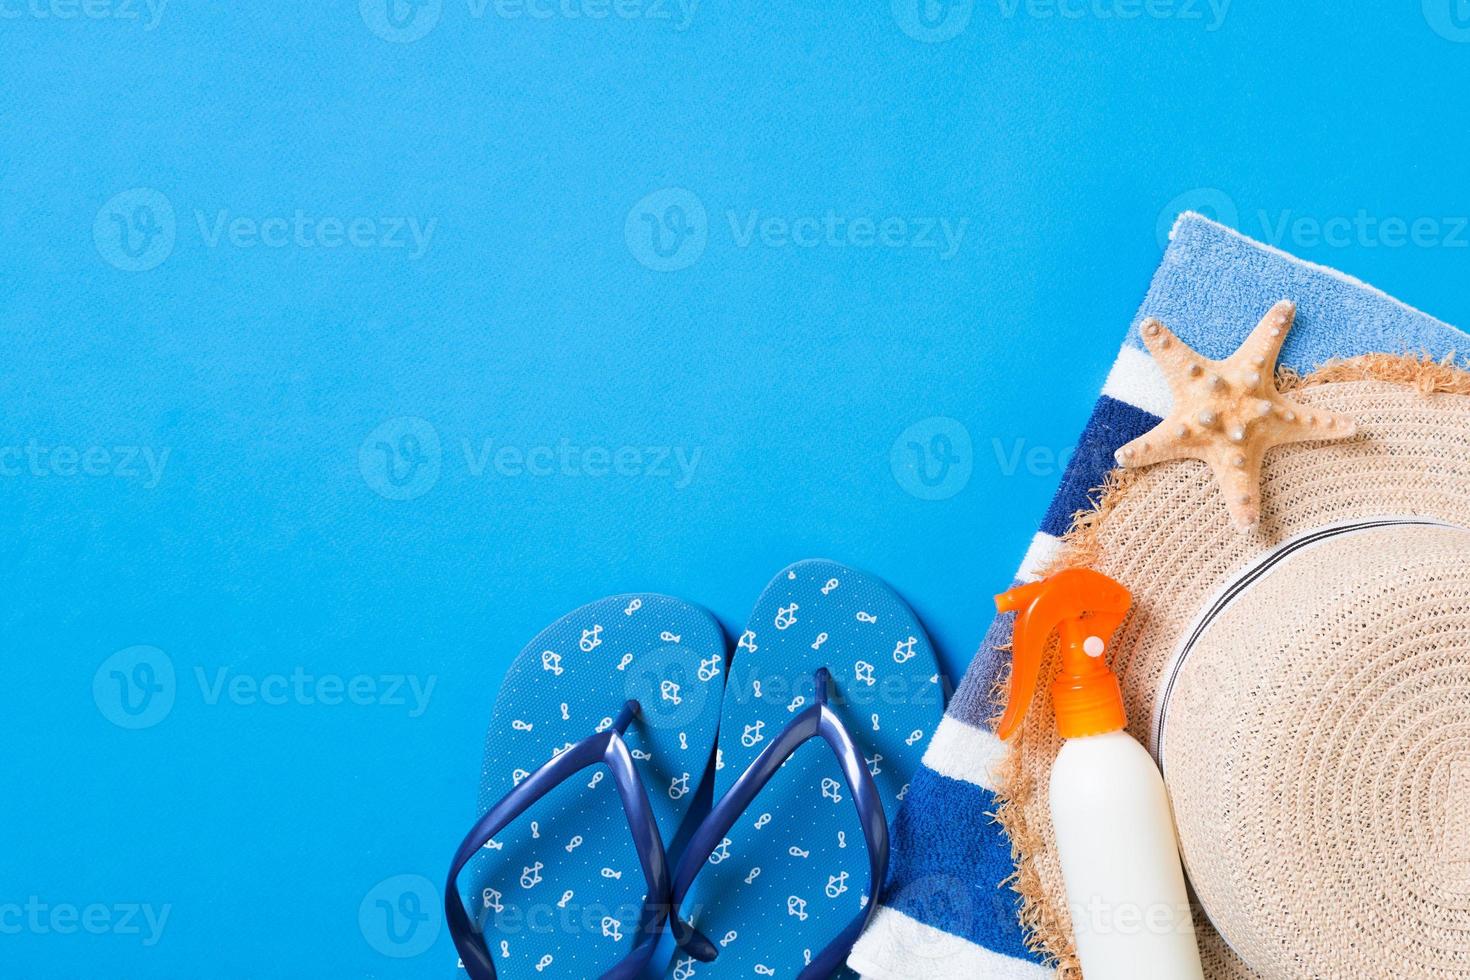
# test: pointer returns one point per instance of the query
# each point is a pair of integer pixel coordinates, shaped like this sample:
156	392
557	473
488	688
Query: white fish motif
710	669
531	876
720	854
729	938
862	673
591	639
633	606
623	663
668	637
752	735
566	714
821	638
841	838
494	845
764	970
797	852
754	874
543	963
492	900
505	949
597	777
518	776
641	755
831	789
551	661
863	617
610	873
903	650
612	928
684	969
747	641
679	787
574	843
873	768
669	691
521	726
566	897
796	906
762	820
832	583
836	884
914	736
786	616
796	702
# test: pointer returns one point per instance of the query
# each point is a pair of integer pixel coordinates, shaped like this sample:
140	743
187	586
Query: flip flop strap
606	748
818	721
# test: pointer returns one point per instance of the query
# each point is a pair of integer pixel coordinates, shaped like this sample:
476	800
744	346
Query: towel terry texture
949	912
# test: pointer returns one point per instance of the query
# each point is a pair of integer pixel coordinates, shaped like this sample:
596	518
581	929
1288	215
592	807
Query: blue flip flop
780	879
600	736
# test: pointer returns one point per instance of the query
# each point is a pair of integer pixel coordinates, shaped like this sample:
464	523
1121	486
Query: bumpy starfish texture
1228	413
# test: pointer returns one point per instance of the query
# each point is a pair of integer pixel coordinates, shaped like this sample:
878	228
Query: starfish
1229	413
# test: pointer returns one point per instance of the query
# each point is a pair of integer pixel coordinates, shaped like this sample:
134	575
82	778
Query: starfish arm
1299	423
1157	445
1175	358
1238	475
1261	348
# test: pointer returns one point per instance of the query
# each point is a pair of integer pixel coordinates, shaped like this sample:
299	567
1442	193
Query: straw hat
1305	684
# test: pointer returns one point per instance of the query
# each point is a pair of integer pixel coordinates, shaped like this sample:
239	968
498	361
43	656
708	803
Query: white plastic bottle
1110	811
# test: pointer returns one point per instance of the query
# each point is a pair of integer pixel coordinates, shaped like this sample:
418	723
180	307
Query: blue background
271	542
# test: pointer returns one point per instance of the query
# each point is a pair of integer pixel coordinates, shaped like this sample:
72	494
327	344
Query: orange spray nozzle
1086	608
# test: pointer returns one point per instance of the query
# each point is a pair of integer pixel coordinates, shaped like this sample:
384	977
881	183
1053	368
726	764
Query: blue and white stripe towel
948	912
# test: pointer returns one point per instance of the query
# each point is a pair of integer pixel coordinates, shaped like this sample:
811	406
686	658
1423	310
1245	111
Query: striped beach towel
948	911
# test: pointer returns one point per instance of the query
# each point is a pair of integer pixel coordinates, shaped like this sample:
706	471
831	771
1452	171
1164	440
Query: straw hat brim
1164	532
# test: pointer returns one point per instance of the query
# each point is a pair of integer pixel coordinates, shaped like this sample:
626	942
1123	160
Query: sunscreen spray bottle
1109	810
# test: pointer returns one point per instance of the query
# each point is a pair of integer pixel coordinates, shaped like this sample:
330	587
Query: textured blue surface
321	593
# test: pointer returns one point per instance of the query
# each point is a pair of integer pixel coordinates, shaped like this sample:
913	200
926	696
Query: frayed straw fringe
1047	932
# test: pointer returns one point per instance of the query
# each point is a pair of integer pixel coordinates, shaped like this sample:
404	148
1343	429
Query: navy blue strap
608	749
818	720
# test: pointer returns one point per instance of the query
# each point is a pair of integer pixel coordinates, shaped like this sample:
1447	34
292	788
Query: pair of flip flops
597	752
